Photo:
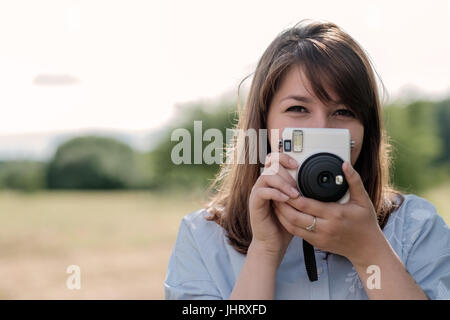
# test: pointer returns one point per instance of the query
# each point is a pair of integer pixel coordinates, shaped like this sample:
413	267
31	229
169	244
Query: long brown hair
330	59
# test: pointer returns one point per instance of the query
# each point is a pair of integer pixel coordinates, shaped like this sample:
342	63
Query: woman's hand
349	229
274	183
270	239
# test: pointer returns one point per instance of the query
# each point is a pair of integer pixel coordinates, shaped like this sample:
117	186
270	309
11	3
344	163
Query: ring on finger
312	227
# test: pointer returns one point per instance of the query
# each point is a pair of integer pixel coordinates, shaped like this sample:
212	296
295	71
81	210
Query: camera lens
324	177
317	177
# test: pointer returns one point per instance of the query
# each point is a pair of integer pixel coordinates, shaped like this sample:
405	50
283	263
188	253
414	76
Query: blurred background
90	92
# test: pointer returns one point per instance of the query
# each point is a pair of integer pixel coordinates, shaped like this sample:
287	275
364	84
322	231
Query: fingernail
293	162
284	197
294	192
347	166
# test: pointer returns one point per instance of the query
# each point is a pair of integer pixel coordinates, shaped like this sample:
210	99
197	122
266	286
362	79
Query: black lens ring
312	168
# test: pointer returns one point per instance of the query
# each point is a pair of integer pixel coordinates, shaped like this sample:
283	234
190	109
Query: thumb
356	187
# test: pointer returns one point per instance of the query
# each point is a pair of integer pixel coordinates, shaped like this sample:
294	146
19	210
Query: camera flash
297	140
339	180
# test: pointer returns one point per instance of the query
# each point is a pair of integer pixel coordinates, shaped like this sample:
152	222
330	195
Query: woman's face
294	106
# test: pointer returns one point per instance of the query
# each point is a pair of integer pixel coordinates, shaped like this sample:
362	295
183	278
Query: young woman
247	243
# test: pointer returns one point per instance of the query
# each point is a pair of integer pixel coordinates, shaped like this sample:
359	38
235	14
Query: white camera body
320	153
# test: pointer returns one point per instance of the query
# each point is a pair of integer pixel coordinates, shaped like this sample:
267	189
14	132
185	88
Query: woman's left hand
349	229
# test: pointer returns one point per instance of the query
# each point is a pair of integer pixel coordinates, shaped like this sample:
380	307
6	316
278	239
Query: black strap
310	261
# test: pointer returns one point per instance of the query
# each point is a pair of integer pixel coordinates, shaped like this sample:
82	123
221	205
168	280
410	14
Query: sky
125	65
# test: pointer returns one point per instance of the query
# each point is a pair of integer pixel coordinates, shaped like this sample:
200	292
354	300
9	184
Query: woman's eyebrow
298	98
306	99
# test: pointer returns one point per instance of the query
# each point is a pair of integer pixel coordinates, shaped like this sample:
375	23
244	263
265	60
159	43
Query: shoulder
417	207
422	232
419	216
202	233
198	224
425	246
414	211
191	270
197	218
415	220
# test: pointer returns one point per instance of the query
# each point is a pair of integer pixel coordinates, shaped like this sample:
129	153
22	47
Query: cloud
55	80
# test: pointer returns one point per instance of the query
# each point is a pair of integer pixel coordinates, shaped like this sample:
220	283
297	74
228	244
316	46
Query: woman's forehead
296	85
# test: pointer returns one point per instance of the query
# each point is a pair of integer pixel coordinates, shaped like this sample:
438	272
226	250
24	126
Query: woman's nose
319	120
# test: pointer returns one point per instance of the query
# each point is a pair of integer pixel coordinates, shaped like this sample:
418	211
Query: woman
247	243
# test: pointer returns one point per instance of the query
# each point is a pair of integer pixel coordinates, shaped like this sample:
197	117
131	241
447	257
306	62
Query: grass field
120	240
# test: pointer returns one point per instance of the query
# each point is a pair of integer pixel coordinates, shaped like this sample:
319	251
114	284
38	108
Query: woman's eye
345	113
296	109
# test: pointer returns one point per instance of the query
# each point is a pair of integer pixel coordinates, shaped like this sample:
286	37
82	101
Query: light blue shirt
204	266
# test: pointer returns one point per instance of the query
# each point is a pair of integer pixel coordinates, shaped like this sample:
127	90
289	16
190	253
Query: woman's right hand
274	184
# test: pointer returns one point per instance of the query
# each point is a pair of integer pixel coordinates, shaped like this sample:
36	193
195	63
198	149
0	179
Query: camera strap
310	261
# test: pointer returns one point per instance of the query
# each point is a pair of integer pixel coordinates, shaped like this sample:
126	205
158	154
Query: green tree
416	145
443	127
221	115
91	162
22	175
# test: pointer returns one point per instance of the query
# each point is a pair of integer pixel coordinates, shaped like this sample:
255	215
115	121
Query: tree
22	175
220	116
416	145
91	162
443	124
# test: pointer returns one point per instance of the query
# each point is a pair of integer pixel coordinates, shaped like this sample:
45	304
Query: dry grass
121	241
